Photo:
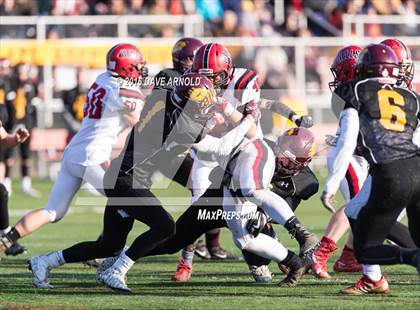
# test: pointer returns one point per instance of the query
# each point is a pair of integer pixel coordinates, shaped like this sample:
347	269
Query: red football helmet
404	58
183	53
195	96
213	60
125	60
294	150
377	61
343	66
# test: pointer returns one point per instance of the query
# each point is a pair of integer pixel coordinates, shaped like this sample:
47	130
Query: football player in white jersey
112	105
239	89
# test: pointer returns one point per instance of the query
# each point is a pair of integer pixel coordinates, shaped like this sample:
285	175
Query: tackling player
110	107
239	88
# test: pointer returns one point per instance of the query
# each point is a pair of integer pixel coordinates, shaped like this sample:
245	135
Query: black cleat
15	249
5	244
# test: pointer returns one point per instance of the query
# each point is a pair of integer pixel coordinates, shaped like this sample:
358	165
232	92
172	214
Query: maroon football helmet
343	66
294	150
125	61
404	58
214	61
195	95
377	61
183	53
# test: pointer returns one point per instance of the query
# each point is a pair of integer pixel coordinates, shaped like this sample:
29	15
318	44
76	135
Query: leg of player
26	183
262	245
15	248
375	220
116	228
149	211
62	193
254	171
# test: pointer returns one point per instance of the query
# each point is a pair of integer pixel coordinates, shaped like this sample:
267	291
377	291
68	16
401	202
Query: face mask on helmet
294	151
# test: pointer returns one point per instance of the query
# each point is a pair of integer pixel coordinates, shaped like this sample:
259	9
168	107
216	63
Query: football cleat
367	286
183	272
114	279
201	250
220	253
15	249
106	264
40	270
261	274
293	277
321	254
347	262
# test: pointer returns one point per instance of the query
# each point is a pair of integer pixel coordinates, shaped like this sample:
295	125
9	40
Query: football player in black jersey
170	123
8	141
388	117
182	59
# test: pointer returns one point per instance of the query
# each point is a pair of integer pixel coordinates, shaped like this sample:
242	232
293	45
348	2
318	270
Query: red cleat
321	254
347	262
183	272
367	286
283	268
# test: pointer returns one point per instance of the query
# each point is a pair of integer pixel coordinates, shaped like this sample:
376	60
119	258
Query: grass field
215	284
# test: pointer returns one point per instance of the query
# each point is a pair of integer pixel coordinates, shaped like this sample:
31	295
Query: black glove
304	121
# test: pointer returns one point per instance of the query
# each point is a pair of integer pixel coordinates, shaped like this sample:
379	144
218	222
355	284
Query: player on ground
110	107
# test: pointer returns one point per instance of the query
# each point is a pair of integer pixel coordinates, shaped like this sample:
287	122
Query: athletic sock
5	231
212	239
123	263
13	235
187	256
373	272
329	241
292	260
55	259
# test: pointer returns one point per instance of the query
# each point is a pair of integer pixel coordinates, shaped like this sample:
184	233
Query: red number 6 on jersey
93	107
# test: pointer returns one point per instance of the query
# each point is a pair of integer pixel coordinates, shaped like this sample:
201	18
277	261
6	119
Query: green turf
215	284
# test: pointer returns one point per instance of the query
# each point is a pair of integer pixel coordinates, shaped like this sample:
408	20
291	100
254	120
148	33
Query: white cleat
40	270
106	264
114	279
261	274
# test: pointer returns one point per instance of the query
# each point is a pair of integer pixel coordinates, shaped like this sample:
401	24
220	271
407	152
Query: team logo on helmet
205	96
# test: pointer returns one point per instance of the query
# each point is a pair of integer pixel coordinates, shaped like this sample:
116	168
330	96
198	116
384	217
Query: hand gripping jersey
106	102
389	115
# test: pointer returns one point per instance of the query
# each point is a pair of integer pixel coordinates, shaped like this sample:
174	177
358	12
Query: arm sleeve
223	146
280	108
346	144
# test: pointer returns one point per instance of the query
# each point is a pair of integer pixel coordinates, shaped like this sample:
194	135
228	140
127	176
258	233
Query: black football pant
125	205
4	210
395	186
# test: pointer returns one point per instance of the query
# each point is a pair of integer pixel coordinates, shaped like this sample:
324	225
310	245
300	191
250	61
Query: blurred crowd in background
276	65
222	17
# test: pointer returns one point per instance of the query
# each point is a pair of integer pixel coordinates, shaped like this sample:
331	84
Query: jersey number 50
391	106
93	107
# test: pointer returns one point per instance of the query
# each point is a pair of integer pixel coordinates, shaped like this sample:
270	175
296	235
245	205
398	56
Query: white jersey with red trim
106	102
